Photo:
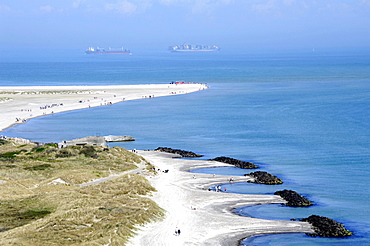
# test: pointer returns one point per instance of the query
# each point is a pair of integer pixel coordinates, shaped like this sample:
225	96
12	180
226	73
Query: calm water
304	117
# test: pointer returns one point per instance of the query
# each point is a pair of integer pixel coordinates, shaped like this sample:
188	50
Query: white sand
212	223
20	103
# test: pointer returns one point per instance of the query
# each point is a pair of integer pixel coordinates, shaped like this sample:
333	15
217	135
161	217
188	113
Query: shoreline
21	103
204	217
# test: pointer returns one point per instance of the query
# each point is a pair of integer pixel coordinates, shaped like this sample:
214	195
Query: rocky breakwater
235	162
325	227
293	198
264	178
182	153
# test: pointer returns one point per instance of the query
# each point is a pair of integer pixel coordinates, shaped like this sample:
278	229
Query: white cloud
46	9
4	8
207	6
124	7
77	3
128	7
365	2
289	2
167	2
264	7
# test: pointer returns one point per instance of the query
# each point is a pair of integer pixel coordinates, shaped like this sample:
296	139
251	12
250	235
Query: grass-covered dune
43	200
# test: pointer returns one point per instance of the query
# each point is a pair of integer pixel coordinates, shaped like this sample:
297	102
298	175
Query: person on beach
178	232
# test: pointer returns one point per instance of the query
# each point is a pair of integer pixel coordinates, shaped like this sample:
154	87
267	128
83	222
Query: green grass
38	167
9	155
3	141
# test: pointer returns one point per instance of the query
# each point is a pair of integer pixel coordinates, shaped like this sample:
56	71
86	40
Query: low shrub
54	145
38	167
63	153
89	151
9	155
40	149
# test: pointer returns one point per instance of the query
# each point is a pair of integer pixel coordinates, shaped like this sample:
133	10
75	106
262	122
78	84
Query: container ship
187	48
110	51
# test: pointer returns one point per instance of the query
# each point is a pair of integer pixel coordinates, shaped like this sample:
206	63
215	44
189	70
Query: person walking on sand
178	232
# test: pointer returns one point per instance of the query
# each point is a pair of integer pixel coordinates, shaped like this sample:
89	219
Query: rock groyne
235	162
182	153
325	227
261	177
293	198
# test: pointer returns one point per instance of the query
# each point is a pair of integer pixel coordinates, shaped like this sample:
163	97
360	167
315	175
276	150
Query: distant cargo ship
110	51
187	48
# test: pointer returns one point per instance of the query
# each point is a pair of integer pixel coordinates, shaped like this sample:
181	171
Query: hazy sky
160	23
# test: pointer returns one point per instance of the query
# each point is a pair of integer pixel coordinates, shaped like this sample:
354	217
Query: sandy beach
21	103
204	217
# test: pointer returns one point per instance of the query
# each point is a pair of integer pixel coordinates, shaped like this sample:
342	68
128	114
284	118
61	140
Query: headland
21	103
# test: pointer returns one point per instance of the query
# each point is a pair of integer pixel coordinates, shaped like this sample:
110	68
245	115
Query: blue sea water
302	116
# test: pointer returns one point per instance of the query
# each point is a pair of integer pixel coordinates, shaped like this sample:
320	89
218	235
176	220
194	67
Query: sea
301	115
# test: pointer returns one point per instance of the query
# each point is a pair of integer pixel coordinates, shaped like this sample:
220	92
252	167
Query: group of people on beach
177	231
20	120
51	106
218	188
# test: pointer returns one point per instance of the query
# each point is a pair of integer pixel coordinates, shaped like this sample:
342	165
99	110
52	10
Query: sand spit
21	103
204	217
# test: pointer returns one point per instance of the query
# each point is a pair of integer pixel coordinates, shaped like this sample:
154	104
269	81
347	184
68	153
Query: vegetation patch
10	155
54	145
38	167
42	203
65	153
3	141
40	149
89	151
16	213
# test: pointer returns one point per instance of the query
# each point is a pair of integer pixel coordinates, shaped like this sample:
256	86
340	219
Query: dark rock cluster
264	178
325	227
235	162
182	153
293	198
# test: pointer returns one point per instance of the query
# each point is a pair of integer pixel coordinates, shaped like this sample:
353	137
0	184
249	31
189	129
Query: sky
251	24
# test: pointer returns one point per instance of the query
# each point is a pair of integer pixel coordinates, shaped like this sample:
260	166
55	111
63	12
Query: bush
38	167
63	153
54	145
9	155
89	151
41	149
